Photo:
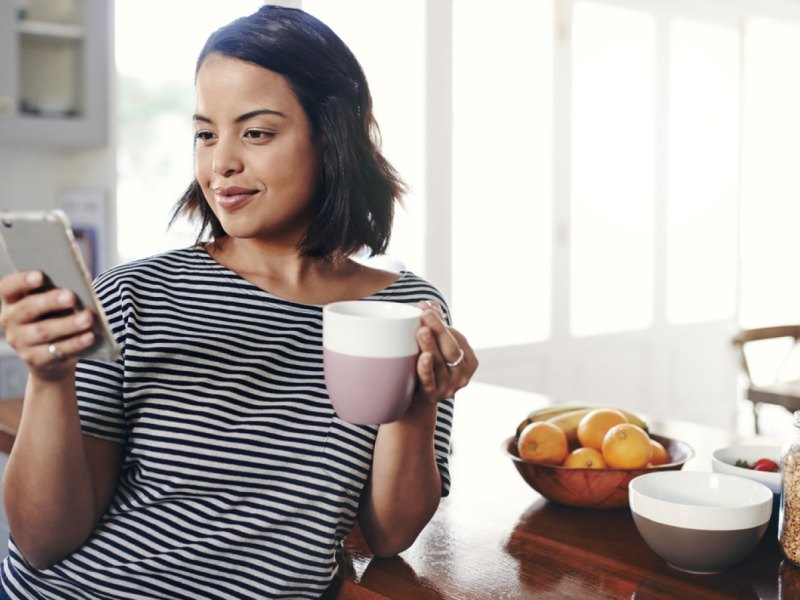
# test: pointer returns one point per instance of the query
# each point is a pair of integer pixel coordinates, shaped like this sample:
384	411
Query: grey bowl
699	550
700	522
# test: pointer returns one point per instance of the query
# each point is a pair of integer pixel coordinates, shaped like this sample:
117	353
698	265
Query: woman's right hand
47	344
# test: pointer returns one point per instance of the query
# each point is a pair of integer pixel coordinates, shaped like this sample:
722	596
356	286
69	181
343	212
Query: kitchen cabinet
54	63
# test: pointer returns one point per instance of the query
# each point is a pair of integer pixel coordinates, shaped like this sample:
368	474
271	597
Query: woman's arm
57	482
405	485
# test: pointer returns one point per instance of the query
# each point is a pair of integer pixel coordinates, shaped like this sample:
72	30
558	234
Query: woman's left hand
447	361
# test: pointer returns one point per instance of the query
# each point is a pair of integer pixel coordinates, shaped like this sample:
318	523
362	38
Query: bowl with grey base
700	522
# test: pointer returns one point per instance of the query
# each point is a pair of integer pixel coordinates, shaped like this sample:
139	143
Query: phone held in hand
43	241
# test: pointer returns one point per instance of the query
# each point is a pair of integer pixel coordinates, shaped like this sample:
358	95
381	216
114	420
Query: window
612	169
770	188
703	165
502	171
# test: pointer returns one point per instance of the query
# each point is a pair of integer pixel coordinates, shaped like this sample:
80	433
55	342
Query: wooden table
10	411
494	537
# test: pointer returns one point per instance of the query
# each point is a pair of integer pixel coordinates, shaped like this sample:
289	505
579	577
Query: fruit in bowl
588	486
751	462
589	466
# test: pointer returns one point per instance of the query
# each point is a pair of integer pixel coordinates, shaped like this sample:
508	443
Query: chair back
761	334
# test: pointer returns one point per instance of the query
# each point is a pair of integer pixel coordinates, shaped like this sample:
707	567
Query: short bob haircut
354	205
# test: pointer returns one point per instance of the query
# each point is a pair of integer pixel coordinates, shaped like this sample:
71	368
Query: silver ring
54	352
457	361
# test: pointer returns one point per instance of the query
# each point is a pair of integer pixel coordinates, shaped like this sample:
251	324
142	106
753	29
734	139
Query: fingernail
82	319
64	297
87	337
34	278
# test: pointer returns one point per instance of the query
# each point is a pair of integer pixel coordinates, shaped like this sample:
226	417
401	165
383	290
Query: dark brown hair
354	205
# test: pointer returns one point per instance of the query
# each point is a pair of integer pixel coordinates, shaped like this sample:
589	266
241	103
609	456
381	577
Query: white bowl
724	460
700	522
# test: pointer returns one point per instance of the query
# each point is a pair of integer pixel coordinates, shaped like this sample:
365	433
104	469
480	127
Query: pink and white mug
370	352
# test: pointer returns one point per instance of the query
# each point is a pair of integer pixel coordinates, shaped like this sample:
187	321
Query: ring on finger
456	362
54	352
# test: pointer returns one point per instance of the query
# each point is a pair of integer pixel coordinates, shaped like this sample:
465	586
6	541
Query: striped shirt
238	480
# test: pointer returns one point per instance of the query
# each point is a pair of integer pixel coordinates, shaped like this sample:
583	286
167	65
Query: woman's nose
226	158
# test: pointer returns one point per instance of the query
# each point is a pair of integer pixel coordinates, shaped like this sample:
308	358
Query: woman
208	461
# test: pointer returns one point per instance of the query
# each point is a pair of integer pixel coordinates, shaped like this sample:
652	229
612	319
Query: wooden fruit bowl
591	488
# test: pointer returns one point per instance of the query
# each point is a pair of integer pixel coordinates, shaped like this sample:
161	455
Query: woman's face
254	156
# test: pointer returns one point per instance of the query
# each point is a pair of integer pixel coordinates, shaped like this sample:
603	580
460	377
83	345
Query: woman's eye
203	136
259	134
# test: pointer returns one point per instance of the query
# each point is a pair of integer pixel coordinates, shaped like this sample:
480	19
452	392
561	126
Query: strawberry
765	464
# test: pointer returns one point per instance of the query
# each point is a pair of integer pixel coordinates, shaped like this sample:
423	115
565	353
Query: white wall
34	178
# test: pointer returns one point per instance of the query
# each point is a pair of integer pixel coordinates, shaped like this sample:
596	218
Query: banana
547	412
568	422
633	418
557	411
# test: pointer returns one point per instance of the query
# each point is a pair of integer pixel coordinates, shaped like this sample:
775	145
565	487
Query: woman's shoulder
410	287
183	261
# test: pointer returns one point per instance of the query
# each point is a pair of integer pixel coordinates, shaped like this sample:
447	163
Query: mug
369	354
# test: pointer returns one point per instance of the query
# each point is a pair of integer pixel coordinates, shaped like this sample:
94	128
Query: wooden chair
784	387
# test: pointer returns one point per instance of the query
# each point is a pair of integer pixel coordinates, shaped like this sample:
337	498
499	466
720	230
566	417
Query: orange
594	425
626	446
585	458
659	455
544	443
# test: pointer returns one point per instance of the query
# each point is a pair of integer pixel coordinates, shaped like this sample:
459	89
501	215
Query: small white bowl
724	460
700	522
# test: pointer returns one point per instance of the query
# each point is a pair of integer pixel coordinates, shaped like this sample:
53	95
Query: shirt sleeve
99	384
412	288
441	442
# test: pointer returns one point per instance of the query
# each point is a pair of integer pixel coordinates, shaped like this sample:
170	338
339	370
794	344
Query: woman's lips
231	198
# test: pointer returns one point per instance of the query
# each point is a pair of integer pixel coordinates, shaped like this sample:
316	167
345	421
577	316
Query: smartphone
43	241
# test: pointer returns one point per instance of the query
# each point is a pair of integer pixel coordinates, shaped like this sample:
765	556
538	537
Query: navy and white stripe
238	480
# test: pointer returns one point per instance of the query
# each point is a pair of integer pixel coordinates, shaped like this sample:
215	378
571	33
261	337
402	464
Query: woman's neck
284	273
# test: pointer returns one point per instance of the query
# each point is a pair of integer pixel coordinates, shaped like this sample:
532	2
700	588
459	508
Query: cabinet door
8	63
54	61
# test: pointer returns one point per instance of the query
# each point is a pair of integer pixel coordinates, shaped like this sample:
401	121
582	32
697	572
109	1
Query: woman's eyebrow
256	113
244	117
